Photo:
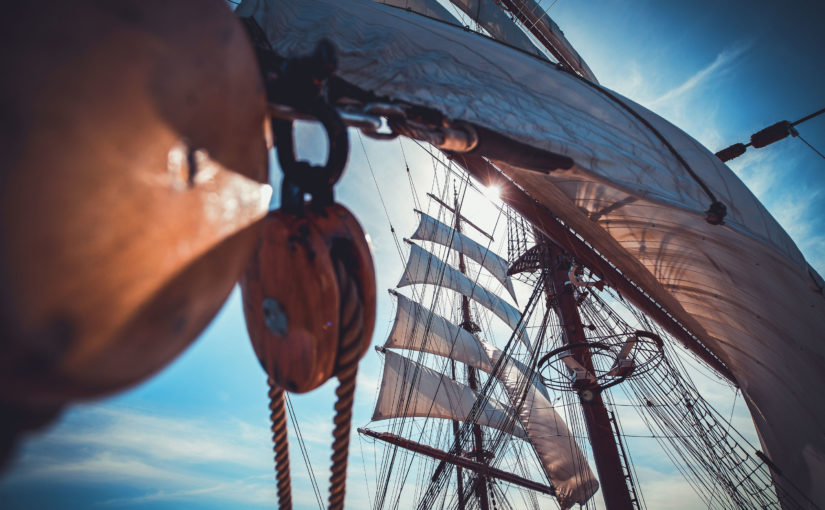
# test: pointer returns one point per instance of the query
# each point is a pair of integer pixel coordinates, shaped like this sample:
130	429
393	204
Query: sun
493	192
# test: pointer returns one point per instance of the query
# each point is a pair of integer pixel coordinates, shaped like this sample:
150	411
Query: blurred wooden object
133	173
293	297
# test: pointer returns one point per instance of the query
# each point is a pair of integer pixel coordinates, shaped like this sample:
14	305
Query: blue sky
196	435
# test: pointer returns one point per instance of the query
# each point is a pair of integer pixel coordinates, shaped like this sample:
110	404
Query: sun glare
492	192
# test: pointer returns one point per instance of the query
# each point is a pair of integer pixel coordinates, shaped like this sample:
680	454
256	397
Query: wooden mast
605	450
472	380
458	471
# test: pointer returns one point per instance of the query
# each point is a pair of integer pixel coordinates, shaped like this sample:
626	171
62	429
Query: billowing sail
409	389
419	329
430	229
637	193
416	328
560	456
424	267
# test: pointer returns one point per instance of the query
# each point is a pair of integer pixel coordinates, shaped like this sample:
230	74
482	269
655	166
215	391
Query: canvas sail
424	267
742	288
540	23
430	229
429	8
416	328
411	390
491	18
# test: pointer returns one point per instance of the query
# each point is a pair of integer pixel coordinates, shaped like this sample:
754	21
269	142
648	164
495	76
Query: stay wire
304	453
811	146
381	197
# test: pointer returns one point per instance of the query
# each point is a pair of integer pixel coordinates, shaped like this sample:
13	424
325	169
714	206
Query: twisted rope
280	445
352	331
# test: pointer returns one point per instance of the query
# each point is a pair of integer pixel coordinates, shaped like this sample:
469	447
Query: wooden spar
442	204
543	219
457	460
605	450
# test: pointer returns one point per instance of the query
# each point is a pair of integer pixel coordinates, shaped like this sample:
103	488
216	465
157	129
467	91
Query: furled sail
430	229
637	194
424	267
409	389
416	328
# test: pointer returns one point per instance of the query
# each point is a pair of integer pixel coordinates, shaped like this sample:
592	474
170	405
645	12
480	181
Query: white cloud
169	439
256	490
722	60
168	457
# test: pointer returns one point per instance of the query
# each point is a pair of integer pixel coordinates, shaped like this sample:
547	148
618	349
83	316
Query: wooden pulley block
133	178
295	295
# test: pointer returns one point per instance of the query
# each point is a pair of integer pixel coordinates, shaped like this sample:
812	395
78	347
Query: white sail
430	229
409	389
630	195
560	456
548	30
494	20
429	8
424	267
417	328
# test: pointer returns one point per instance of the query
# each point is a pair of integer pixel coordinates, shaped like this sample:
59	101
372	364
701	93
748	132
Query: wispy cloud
170	458
170	439
722	60
255	490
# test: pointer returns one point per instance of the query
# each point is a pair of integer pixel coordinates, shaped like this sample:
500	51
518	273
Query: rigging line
436	484
381	197
408	400
416	201
808	117
726	451
304	452
809	145
613	97
364	468
436	293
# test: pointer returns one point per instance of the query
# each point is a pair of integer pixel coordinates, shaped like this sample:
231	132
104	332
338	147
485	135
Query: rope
717	209
304	454
280	445
810	146
349	351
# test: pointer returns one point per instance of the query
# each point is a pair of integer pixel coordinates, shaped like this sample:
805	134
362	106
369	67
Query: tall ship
578	260
625	250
